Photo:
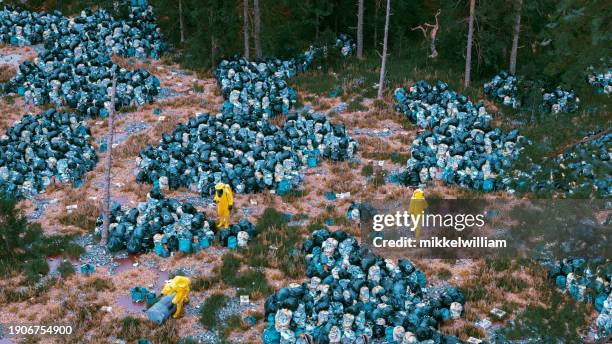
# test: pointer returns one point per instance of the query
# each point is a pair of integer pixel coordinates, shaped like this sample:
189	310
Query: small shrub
367	170
35	268
130	328
379	178
65	269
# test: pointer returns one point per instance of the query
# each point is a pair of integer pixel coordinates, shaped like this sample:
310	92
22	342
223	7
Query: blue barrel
283	187
312	161
445	314
21	90
159	248
330	195
204	243
487	185
232	243
161	310
87	269
560	282
185	245
389	335
196	246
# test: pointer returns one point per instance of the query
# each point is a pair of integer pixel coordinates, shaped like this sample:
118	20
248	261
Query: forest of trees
552	40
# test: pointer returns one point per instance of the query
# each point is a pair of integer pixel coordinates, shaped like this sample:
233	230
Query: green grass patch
356	105
293	195
209	310
274	232
511	283
561	320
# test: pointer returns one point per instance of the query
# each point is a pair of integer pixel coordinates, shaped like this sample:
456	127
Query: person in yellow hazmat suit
225	202
418	204
179	286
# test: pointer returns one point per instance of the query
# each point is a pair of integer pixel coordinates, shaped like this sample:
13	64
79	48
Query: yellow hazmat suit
418	204
225	202
179	286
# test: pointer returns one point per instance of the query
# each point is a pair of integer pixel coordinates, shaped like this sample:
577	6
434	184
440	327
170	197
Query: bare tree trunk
245	14
468	56
257	28
108	164
376	6
181	26
360	30
515	38
381	83
433	34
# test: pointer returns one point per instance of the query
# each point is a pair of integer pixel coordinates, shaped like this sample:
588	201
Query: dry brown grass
86	213
139	189
278	120
6	73
132	146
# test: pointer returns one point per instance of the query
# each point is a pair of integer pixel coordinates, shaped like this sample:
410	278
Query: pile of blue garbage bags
75	68
239	145
575	276
560	100
248	154
345	44
259	88
580	170
40	149
354	296
602	82
457	143
166	225
503	88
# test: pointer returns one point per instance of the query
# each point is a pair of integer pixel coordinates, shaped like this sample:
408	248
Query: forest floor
99	305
